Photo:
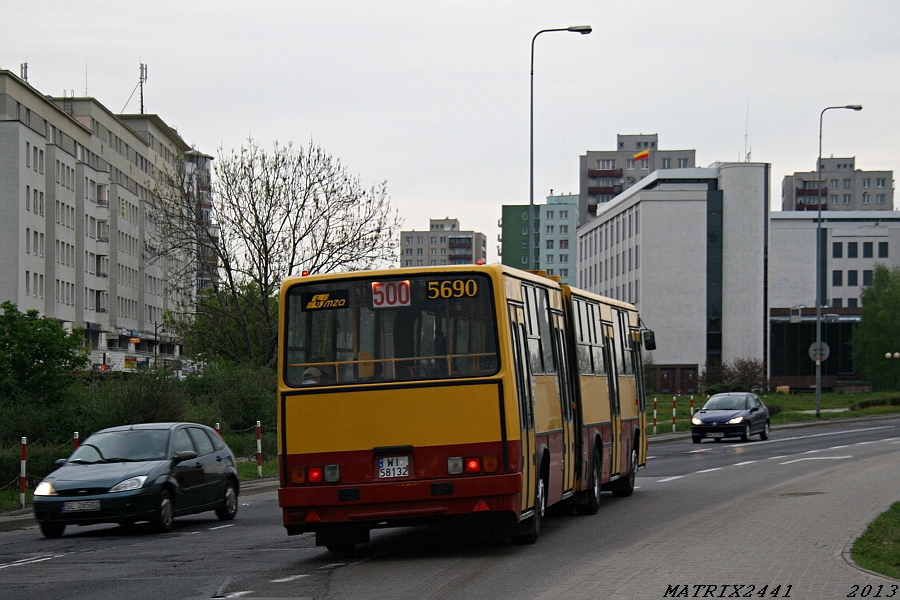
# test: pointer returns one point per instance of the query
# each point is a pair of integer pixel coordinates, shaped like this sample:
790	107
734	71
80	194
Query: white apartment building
688	248
75	182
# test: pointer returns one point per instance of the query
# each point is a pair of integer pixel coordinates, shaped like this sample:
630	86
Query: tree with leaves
266	215
879	329
37	355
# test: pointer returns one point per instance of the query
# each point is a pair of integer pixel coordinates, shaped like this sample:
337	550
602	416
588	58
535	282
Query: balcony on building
604	172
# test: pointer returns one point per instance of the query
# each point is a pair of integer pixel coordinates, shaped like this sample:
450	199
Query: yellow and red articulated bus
408	396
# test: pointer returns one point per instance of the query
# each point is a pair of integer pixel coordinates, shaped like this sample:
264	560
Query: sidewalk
797	535
20	519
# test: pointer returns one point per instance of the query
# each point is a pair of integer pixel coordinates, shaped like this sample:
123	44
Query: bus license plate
81	505
717	435
393	466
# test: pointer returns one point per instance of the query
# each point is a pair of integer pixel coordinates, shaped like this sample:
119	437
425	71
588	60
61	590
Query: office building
443	244
688	248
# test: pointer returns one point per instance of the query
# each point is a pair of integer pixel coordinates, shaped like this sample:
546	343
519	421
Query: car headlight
696	421
129	484
44	488
735	420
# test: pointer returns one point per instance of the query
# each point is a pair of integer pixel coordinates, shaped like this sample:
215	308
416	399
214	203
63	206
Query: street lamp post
895	356
156	330
583	30
819	251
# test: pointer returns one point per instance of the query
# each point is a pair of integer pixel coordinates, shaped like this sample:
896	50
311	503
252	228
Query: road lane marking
669	479
775	457
287	579
709	470
839	447
220	527
815	458
30	561
746	462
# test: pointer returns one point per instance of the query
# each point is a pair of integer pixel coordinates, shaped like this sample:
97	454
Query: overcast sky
433	96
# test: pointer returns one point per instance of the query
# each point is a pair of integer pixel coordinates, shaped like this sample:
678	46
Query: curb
24	518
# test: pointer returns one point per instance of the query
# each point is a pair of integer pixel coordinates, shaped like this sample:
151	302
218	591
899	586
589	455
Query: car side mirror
60	462
186	455
649	340
754	409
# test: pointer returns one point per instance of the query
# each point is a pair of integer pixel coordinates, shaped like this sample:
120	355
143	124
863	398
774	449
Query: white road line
775	457
669	479
29	561
839	447
220	527
287	579
815	458
869	442
746	462
709	470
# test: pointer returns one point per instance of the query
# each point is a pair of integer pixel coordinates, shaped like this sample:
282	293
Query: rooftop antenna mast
23	71
141	82
746	131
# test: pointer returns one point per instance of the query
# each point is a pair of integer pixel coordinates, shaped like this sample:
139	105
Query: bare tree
271	214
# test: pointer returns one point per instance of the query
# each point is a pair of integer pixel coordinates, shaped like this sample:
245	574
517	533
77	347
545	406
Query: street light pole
895	356
819	251
583	30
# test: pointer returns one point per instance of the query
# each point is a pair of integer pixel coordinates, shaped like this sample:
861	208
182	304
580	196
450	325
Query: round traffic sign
818	351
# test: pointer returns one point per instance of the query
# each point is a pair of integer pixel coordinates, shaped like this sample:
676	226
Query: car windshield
726	403
119	446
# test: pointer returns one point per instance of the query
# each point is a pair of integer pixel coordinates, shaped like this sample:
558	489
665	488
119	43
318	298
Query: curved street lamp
819	282
583	30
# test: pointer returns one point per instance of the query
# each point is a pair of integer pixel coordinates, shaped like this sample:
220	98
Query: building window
852	250
834	198
882	249
645	164
682	163
548	214
852	278
834	183
847	184
606	164
837	278
667	163
418	250
409	239
848	198
880	183
549	258
866	198
549	244
866	182
563	272
852	303
867	277
867	249
563	244
549	228
524	260
837	302
563	258
434	239
563	214
880	198
629	164
837	250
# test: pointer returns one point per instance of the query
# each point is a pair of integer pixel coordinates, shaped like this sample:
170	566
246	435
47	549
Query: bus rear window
390	329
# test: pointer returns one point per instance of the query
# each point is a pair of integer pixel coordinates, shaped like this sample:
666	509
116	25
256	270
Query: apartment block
443	244
603	174
840	187
555	235
75	185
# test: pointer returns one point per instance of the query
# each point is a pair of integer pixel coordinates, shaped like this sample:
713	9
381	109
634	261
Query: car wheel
746	433
593	491
53	530
532	526
165	512
626	486
229	507
696	439
764	434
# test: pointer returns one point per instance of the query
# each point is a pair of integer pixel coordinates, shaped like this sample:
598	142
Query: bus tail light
480	506
315	474
490	463
455	465
298	475
473	465
332	473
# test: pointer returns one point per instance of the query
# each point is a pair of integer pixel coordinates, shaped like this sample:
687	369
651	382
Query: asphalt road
253	557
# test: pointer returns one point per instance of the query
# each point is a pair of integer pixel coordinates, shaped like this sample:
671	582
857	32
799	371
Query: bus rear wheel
593	492
531	528
625	487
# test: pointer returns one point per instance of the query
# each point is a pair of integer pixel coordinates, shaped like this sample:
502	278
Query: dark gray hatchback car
149	472
732	414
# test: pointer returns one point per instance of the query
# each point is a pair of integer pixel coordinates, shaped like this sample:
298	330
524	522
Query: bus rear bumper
398	503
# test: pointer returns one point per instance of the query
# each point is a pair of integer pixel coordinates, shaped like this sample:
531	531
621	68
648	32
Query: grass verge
878	549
